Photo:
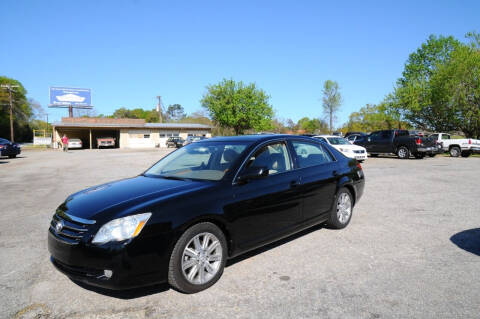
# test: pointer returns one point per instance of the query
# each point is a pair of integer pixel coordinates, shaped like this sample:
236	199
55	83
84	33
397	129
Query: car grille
72	230
359	151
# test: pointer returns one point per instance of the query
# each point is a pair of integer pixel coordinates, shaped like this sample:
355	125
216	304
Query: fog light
108	273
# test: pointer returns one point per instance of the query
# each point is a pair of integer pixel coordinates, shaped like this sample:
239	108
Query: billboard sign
70	96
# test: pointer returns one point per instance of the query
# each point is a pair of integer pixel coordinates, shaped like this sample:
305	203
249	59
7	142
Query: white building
128	133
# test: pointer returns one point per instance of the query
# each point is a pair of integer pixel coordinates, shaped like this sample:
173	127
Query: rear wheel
419	155
12	156
342	210
432	155
455	151
403	152
466	153
198	259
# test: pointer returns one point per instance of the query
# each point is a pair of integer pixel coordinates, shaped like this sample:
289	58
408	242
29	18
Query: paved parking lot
412	249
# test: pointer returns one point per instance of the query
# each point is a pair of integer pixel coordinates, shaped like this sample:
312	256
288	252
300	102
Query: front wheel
198	259
403	152
342	210
419	155
432	155
455	151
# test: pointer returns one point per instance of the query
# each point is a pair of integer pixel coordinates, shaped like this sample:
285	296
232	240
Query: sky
128	52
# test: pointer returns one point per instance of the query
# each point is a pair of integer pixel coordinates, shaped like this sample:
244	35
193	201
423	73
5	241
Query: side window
375	136
310	154
386	134
272	156
445	137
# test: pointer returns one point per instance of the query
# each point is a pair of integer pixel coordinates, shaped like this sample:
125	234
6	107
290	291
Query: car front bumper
133	264
10	151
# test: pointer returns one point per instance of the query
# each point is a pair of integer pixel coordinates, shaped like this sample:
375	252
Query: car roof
254	138
336	136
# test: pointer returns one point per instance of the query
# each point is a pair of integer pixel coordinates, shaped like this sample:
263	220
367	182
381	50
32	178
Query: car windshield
199	161
338	141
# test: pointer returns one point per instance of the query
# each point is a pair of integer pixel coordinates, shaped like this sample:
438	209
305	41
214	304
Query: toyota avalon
180	220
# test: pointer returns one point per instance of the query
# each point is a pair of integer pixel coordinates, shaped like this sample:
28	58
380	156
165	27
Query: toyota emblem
59	226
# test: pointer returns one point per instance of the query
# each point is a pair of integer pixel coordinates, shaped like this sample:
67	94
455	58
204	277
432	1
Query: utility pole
9	88
159	109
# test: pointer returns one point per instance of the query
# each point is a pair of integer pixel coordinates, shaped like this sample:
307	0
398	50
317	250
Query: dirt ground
412	249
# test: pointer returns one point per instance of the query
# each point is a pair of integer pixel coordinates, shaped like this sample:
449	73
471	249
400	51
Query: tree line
439	90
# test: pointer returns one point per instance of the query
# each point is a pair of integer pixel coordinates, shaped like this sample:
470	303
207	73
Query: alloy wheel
201	258
344	208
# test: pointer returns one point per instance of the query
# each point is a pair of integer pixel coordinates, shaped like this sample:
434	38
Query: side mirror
253	173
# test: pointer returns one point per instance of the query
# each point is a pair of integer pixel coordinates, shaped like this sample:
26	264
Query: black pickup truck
398	142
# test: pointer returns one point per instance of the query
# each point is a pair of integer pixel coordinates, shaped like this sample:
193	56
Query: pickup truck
398	142
456	147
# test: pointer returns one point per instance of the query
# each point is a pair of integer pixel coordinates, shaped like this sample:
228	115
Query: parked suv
398	142
175	141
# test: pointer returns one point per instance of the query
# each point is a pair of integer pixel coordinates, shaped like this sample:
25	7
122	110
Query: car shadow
273	245
128	293
3	162
151	290
468	240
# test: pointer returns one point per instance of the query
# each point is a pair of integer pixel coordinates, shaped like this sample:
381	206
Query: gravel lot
397	258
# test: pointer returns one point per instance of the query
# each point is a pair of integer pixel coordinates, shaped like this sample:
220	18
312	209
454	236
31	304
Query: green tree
332	100
456	86
372	118
238	106
413	93
22	111
312	126
175	112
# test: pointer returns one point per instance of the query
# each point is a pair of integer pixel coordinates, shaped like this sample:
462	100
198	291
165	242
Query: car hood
119	196
350	147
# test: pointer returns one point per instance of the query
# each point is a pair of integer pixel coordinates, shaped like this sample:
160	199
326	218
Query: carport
128	133
88	135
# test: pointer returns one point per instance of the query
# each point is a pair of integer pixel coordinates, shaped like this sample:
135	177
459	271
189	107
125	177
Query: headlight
121	228
345	150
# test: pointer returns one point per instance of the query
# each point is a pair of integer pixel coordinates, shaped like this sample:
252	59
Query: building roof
133	125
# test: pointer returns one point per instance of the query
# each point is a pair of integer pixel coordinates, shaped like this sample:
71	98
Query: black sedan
180	220
8	148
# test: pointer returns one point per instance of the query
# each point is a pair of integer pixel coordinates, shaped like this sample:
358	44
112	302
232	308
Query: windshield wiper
172	177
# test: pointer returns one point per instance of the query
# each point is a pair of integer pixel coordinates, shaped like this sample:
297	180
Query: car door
371	143
266	207
385	142
318	172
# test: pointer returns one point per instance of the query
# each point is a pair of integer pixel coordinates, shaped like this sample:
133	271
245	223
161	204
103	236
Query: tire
455	151
403	152
466	153
340	219
419	155
432	155
197	257
374	155
12	156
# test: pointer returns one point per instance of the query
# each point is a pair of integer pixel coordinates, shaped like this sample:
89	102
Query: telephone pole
9	88
159	109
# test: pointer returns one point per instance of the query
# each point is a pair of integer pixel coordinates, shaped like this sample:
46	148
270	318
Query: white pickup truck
456	147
